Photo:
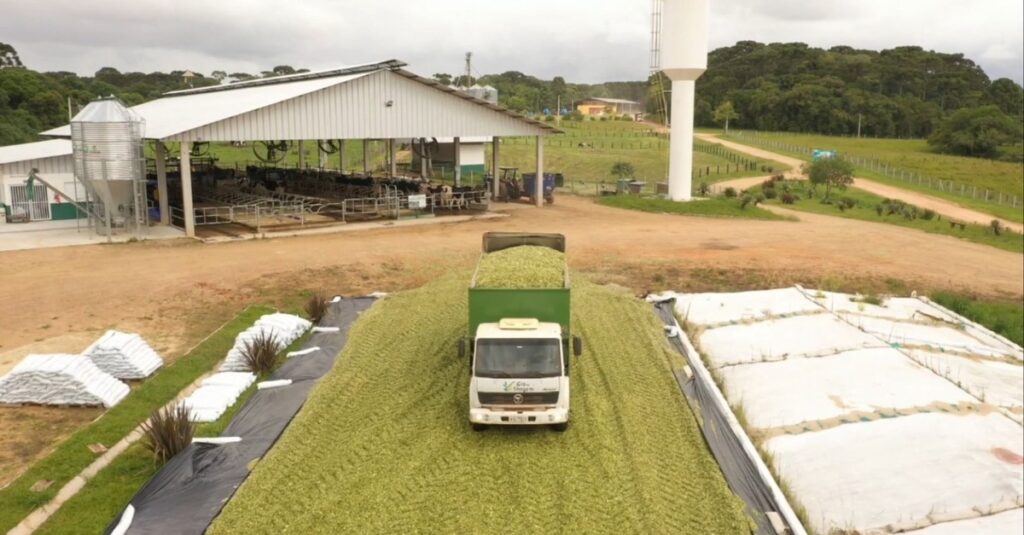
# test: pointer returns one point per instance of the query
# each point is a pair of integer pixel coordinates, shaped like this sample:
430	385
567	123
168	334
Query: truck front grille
509	398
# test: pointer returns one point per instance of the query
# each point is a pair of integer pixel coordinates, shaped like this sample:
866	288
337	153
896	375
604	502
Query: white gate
37	208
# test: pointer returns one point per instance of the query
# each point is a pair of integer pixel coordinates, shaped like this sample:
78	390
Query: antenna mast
468	76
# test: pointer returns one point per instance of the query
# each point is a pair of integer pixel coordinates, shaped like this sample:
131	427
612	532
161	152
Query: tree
1008	95
623	170
282	70
9	57
829	172
976	132
443	78
724	113
219	75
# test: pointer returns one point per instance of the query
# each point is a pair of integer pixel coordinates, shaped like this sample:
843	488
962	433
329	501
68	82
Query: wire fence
961	189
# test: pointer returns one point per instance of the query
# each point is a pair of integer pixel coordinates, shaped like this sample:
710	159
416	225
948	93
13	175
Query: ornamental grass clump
167	432
316	306
261	352
525	266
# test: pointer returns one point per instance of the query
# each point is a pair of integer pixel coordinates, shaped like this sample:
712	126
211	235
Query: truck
519	346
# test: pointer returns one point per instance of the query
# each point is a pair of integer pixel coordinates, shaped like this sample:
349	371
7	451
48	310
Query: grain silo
106	140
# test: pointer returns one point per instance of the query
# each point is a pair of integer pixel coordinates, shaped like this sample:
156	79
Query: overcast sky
582	40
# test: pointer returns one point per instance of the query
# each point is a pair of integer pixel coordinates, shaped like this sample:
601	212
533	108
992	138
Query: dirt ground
941	206
176	292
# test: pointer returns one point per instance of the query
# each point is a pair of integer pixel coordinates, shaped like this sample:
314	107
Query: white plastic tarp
938	336
904	470
718	308
777	339
892	307
788	392
996	382
1006	523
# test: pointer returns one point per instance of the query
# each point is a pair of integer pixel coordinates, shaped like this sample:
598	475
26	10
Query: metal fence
967	191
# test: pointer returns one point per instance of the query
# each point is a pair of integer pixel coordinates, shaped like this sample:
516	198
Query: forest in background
904	92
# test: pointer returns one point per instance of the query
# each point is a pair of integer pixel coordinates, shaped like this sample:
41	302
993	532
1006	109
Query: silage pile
525	266
383	443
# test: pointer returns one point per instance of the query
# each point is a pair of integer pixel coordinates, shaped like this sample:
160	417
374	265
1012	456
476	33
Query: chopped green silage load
383	445
525	266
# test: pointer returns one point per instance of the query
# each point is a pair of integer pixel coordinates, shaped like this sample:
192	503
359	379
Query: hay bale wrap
522	267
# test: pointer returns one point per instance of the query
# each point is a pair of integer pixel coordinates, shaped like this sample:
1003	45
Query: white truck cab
520	375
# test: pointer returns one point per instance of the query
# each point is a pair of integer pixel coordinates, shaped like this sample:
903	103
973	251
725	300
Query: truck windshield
518	358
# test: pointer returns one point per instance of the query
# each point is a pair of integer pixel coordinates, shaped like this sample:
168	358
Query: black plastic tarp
190	490
739	470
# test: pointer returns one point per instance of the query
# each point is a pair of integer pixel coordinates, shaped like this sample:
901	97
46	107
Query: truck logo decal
517	399
517	386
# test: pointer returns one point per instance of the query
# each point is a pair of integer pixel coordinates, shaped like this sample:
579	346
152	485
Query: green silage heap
525	266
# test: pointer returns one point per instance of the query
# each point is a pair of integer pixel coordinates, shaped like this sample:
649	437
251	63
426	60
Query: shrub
316	306
747	200
549	118
777	177
880	209
261	353
729	192
846	203
928	214
759	199
788	198
770	193
703	189
996	226
168	431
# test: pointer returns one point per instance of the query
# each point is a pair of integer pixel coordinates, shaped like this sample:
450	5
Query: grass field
72	456
107	494
714	207
1004	318
913	155
865	210
383	444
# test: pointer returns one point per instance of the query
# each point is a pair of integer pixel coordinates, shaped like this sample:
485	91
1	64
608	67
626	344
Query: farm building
378	103
470	158
609	107
53	161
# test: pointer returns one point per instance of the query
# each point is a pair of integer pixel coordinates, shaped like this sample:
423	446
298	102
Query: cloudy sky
582	40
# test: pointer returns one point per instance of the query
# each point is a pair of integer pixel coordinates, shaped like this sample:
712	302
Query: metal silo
106	139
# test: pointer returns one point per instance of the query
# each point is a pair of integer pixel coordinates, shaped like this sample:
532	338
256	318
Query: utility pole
468	76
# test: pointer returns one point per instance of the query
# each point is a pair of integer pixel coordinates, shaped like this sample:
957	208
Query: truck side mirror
577	346
462	347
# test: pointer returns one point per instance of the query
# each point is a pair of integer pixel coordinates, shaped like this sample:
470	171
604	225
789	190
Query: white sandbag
302	352
61	380
284	328
124	355
216	394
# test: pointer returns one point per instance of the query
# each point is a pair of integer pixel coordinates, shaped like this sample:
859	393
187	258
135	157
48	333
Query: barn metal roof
35	151
376	100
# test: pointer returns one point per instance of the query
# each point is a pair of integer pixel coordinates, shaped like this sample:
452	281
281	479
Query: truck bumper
487	416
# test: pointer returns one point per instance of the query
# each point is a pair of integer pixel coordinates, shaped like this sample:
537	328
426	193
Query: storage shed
53	161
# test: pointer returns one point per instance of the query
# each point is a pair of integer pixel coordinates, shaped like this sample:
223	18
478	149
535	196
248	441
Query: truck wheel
479	427
560	427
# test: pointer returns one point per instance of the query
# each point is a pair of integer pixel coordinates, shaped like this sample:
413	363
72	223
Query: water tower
106	140
683	57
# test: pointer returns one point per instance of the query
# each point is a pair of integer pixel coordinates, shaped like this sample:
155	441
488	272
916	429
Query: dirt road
941	206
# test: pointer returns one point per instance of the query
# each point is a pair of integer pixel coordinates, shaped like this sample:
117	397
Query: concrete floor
43	234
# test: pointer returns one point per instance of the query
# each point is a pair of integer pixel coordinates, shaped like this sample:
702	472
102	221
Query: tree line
903	92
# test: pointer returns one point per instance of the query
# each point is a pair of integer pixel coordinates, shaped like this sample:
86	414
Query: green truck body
491	305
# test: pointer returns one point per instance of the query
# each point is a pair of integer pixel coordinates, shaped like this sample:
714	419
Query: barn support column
392	150
186	189
321	156
302	156
457	147
423	159
538	182
366	156
341	155
161	182
495	169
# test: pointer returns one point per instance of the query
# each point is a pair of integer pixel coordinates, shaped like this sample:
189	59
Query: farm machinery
511	188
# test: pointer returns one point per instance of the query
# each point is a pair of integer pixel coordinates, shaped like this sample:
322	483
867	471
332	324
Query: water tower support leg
680	171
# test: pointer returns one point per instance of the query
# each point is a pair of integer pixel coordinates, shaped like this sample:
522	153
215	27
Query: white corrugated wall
359	109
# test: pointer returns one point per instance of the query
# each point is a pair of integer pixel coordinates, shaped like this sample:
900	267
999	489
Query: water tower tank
684	57
106	140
